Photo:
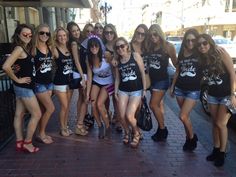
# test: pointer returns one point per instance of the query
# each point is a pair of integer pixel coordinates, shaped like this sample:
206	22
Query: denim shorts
194	95
61	88
217	100
131	94
40	88
21	92
160	85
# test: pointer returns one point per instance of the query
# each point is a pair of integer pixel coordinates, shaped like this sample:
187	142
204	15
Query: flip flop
44	140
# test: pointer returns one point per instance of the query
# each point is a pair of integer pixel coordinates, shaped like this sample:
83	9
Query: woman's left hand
83	83
144	93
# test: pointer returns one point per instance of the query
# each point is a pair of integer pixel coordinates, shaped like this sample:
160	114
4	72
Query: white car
228	45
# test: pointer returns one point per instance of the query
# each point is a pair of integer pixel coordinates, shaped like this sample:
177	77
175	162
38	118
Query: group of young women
107	65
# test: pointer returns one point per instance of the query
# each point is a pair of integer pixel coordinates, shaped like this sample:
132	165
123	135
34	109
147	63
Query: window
227	3
234	6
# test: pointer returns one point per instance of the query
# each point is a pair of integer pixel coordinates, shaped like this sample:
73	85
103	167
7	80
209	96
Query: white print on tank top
67	69
46	65
155	61
128	73
34	70
214	80
187	67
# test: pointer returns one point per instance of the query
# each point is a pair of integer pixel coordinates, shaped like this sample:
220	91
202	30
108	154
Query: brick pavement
77	156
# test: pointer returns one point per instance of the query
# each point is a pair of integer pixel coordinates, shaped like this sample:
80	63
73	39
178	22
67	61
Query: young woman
74	43
109	38
41	51
98	30
186	84
130	86
158	53
23	87
64	64
100	83
220	75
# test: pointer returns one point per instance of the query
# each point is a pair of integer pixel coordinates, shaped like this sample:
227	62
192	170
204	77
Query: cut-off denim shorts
217	100
21	92
160	85
40	88
61	88
194	95
131	94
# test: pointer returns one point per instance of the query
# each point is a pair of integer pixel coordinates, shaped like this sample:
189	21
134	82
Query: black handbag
144	119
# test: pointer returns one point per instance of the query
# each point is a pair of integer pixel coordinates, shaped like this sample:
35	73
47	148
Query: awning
47	3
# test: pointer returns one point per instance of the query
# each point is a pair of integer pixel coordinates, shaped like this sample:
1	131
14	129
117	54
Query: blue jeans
217	100
21	92
194	95
40	88
131	94
160	85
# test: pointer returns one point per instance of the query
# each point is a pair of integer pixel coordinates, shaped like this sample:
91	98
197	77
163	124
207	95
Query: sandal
29	143
44	140
19	145
126	139
80	130
69	130
64	132
135	141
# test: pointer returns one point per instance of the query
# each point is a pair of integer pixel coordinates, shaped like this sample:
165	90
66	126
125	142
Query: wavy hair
56	33
69	27
114	46
149	44
16	41
113	28
212	58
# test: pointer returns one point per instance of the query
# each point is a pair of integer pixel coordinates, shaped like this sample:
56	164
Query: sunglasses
190	40
204	43
43	32
94	46
154	34
98	27
122	46
29	35
108	32
88	31
140	34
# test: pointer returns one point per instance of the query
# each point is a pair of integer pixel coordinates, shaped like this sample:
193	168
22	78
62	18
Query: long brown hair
212	58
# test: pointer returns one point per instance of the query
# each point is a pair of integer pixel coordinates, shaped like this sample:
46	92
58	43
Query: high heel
35	149
19	145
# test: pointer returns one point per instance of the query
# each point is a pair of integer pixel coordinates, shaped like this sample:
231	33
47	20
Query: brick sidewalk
77	156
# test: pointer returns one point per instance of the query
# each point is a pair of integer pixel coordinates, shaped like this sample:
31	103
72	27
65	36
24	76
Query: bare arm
227	60
117	81
74	48
17	53
89	80
139	61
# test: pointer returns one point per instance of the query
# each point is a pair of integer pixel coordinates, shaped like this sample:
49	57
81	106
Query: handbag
74	81
144	119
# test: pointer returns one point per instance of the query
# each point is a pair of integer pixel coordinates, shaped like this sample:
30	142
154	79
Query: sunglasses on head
98	27
140	34
154	34
204	43
43	32
122	46
190	40
27	35
108	32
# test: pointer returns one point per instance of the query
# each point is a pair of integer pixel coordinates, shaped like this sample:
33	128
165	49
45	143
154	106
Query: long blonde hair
35	40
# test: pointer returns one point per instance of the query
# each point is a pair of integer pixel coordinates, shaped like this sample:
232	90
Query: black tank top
190	74
43	66
27	69
130	76
83	56
219	85
64	69
158	62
